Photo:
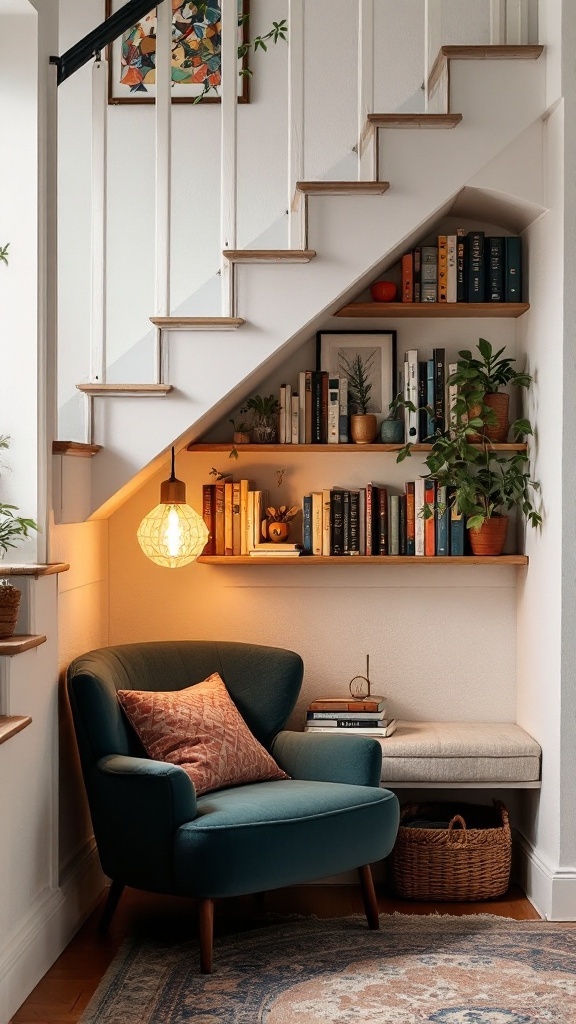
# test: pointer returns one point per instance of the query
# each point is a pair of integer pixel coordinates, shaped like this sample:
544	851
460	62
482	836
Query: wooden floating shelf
232	560
269	255
77	448
197	323
18	644
328	449
441	310
126	390
413	120
11	724
33	569
342	188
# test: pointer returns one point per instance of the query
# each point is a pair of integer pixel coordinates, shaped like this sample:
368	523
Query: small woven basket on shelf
9	605
449	851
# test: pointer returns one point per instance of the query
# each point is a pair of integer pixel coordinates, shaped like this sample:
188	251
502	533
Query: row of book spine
425	385
366	717
464	267
370	521
316	413
233	513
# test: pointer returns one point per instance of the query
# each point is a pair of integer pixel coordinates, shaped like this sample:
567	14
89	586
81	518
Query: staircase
351	232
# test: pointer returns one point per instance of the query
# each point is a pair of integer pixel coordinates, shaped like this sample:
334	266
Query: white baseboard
551	891
53	920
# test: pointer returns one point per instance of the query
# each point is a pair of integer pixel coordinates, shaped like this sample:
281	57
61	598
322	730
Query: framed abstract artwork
196	41
339	351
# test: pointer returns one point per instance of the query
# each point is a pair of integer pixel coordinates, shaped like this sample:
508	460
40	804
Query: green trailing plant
13	528
357	372
278	32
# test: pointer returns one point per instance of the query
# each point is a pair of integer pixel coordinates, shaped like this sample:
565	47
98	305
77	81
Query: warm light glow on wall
172	534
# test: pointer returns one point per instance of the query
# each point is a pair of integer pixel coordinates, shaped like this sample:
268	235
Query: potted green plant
363	424
279	519
480	380
241	431
481	483
263	410
13	529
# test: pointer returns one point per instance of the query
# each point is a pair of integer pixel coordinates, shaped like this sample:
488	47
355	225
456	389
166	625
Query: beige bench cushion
460	752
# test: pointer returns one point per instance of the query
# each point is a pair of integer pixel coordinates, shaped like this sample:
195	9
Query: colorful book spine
333	410
457	527
308	408
251	537
382	521
307	523
418	517
410	518
343	410
408	277
337	524
325	522
422	398
317	523
323	407
417	274
394	525
494	251
354	531
442	538
402	528
371	506
513	269
476	267
430	398
442	268
412	394
288	415
362	520
316	408
439	358
452	390
429	274
219	493
302	407
236	519
461	275
244	485
209	517
451	282
346	522
430	521
295	421
228	532
282	415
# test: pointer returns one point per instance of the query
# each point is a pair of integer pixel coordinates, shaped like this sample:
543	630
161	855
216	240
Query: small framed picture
372	354
196	41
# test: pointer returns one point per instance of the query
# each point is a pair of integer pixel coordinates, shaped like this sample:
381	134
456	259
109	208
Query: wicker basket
449	851
9	605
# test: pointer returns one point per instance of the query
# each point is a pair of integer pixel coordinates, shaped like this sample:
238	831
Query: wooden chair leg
206	922
369	896
114	894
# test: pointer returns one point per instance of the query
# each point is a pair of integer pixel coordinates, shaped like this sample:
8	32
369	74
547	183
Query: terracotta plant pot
491	537
499	403
278	531
9	604
240	437
363	429
383	291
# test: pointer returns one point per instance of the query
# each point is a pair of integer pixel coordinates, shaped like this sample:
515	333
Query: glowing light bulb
172	534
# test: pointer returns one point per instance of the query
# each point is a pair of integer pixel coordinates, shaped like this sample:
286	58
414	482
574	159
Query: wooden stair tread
35	569
197	323
491	52
12	724
110	390
440	310
269	255
18	644
78	448
342	188
414	120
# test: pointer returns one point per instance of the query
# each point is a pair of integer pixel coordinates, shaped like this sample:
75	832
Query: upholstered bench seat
444	752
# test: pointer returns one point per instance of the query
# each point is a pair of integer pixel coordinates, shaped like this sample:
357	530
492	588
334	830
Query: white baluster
367	140
163	111
98	222
497	22
436	102
228	171
296	211
517	16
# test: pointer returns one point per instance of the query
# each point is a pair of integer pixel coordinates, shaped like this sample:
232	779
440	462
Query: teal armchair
153	833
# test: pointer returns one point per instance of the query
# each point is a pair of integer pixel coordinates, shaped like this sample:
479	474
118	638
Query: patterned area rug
449	970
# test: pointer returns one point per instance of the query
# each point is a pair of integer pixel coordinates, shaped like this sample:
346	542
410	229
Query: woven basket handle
457	837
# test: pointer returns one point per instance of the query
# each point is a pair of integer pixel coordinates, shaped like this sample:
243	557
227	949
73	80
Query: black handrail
100	37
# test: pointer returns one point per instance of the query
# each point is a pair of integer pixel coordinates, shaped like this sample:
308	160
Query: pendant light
172	534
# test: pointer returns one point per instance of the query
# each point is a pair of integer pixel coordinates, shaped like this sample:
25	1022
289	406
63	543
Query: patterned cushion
200	729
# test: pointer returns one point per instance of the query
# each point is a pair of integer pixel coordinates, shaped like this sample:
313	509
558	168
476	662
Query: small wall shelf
233	560
18	644
329	449
509	310
33	569
11	724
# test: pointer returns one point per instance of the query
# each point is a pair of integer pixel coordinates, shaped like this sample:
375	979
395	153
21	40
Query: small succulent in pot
278	521
241	431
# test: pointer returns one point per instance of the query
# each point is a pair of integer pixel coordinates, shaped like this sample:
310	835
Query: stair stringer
354	236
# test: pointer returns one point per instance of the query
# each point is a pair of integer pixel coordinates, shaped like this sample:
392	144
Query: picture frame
334	349
195	55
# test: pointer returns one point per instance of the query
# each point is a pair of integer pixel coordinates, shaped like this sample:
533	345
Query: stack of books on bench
365	716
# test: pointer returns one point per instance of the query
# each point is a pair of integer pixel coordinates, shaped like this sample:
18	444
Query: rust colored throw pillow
200	729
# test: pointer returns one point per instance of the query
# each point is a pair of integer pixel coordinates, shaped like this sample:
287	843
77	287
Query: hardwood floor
64	992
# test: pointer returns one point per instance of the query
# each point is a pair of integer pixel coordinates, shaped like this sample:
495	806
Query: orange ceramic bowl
384	291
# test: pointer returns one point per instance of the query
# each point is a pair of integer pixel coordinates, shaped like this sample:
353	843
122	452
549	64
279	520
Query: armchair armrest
137	807
356	760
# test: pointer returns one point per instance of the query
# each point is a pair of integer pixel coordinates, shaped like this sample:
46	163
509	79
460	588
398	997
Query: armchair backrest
264	683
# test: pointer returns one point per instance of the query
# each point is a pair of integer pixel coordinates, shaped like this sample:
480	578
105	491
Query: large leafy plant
486	375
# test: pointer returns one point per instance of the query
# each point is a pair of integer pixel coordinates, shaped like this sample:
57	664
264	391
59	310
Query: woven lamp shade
172	535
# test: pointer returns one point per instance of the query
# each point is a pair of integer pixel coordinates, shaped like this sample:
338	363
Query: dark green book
513	269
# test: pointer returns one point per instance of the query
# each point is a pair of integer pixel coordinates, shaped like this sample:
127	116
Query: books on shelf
368	729
372	704
466	266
